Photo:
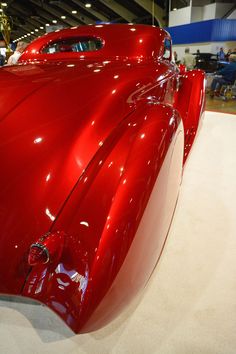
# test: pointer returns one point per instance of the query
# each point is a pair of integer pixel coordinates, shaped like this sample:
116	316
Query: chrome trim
42	247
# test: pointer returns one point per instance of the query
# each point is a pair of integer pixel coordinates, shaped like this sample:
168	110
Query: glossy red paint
92	150
192	106
119	41
48	249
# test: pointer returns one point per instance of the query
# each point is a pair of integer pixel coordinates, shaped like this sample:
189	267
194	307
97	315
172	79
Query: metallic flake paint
92	147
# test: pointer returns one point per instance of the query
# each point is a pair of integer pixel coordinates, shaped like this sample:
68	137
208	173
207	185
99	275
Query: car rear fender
190	102
114	236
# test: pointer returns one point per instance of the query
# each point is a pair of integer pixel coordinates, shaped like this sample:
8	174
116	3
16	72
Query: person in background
221	54
13	59
227	55
188	60
227	76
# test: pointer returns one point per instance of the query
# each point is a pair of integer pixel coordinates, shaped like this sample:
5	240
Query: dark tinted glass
82	44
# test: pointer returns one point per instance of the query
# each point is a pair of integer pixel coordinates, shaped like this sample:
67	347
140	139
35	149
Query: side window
83	44
167	49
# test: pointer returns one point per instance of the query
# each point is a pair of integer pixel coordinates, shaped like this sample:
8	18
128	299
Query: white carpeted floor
189	306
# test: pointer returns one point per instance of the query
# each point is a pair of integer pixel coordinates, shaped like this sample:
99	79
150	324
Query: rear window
81	44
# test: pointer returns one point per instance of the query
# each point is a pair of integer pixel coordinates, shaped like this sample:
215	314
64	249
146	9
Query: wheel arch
95	253
190	102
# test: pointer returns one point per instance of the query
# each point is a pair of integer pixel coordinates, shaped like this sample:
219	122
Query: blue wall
204	31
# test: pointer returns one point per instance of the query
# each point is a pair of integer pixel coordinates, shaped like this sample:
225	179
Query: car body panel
92	149
120	41
190	103
104	242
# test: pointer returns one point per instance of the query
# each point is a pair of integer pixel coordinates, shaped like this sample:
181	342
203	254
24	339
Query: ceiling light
47	24
28	34
32	32
54	21
41	27
1	10
74	12
4	4
63	17
36	30
174	9
88	5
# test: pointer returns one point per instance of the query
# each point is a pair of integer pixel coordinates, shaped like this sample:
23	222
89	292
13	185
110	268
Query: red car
96	124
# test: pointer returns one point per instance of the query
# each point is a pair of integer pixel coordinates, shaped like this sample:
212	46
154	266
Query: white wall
208	12
180	17
180	48
211	47
226	45
211	11
232	16
196	14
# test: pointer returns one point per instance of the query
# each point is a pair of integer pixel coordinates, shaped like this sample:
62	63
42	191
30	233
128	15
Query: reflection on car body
93	140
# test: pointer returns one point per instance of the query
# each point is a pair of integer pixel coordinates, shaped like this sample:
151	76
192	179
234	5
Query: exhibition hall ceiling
30	18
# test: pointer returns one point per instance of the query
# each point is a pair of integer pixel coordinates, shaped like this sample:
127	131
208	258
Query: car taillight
38	254
46	249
